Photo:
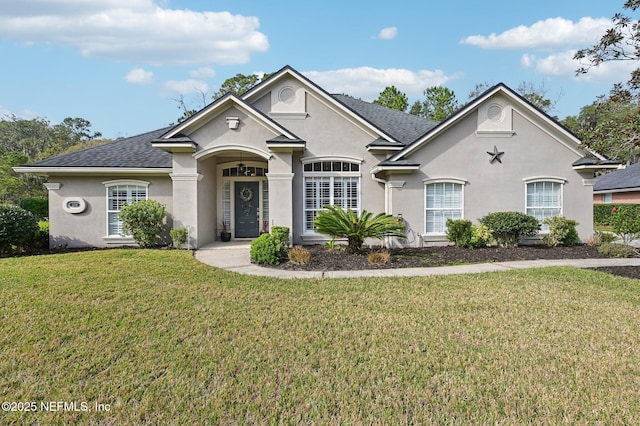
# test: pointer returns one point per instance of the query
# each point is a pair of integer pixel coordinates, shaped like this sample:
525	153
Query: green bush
480	236
339	223
459	232
508	227
562	231
41	239
602	213
626	223
281	235
266	250
463	233
39	206
18	229
144	220
178	236
617	250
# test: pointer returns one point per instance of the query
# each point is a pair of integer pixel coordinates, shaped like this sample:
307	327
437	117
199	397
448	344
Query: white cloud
184	87
562	64
139	76
367	83
134	30
551	33
388	33
202	72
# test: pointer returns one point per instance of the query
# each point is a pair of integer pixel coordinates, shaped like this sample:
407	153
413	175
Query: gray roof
135	152
405	128
620	179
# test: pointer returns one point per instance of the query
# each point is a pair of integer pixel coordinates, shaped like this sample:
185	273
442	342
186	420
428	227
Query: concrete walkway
234	256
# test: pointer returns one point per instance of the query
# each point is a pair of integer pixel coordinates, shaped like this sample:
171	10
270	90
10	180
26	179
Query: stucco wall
460	153
89	228
328	134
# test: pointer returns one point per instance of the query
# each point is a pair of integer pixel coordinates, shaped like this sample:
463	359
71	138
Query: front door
247	215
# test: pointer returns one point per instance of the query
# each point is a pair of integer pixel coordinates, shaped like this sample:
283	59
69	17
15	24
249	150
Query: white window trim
428	181
331	175
111	183
539	179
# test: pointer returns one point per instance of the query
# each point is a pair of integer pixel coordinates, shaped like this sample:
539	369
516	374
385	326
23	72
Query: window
120	193
544	199
607	198
443	200
335	183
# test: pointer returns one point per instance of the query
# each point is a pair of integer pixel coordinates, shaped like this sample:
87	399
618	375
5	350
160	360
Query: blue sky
121	64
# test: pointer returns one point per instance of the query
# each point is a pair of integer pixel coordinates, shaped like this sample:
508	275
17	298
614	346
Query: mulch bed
323	259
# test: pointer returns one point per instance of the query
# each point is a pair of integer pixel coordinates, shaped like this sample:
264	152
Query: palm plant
339	223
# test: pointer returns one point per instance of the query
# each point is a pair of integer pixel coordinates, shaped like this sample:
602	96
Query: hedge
602	212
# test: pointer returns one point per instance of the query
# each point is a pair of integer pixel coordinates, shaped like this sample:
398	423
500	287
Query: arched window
333	182
544	198
120	193
443	200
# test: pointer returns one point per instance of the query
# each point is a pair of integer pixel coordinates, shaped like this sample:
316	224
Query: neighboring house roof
133	152
405	128
628	178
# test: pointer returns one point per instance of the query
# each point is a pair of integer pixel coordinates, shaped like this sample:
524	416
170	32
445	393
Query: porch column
281	199
185	179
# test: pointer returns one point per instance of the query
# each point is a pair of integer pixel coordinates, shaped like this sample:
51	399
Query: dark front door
247	202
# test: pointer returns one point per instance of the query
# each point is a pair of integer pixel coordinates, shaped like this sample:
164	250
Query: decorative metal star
495	155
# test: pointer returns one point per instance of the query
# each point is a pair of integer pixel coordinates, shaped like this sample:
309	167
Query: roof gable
332	101
217	108
524	107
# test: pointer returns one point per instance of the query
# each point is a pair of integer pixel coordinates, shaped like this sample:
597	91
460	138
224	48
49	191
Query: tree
610	126
536	95
439	103
392	98
239	84
619	43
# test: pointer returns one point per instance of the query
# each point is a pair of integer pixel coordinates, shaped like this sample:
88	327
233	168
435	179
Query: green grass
164	339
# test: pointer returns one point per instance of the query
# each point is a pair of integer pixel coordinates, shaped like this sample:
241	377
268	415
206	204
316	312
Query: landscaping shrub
18	229
626	222
299	255
178	236
281	236
339	223
480	236
602	213
41	238
508	227
459	232
617	250
265	249
562	231
39	206
144	220
463	233
379	257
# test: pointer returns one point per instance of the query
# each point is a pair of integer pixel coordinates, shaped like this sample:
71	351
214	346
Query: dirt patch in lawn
324	259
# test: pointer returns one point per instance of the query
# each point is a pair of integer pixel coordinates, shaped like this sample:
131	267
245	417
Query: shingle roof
620	179
135	152
404	127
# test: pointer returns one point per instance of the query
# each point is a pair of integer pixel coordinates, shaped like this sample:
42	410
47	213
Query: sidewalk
234	256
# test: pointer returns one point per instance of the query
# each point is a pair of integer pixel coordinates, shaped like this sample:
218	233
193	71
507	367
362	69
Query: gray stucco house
280	152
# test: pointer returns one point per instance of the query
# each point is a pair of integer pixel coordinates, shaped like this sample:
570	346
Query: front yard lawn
158	338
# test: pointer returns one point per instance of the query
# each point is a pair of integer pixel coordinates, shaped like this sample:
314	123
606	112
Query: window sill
117	240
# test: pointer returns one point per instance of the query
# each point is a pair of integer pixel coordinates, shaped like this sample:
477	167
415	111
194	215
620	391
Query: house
284	149
621	186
